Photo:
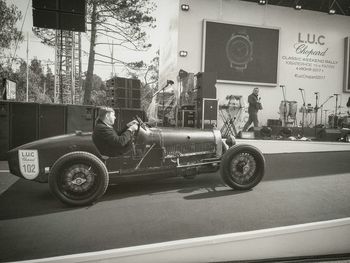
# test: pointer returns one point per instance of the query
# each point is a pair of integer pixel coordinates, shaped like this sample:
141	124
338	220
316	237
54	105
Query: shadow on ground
27	198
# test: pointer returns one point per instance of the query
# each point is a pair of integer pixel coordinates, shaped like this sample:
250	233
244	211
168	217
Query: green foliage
149	76
40	87
9	34
98	92
123	21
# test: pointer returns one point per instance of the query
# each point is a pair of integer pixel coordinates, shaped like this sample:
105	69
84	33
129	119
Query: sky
47	54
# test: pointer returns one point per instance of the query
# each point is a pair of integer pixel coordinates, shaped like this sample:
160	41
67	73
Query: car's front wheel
78	178
242	167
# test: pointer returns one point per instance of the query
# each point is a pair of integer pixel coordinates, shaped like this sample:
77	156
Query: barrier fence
22	122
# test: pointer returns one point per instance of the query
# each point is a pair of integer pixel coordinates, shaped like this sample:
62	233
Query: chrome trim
148	151
218	142
225	146
196	164
186	154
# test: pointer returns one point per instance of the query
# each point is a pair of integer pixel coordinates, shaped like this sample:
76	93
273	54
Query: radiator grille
188	148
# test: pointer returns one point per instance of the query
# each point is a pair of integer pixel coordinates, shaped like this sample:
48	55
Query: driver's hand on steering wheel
132	123
133	128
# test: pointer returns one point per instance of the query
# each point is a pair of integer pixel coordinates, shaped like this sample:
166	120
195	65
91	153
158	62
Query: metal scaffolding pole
67	67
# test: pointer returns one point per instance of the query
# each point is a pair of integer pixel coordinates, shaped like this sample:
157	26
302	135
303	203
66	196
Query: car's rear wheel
242	167
78	178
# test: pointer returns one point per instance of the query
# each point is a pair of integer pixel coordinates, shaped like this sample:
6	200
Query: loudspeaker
187	117
45	4
205	85
136	84
46	19
329	135
207	111
23	123
56	20
66	6
346	85
210	109
135	104
274	122
4	129
79	118
266	132
60	14
124	93
124	116
285	132
72	22
52	120
256	130
73	6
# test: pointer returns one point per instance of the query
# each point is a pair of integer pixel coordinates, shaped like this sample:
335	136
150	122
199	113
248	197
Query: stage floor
284	146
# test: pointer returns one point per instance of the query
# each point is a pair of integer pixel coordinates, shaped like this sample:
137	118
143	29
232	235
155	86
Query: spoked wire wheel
78	178
242	167
78	181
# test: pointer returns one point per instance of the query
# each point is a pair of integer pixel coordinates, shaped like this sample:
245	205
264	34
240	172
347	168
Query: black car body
78	174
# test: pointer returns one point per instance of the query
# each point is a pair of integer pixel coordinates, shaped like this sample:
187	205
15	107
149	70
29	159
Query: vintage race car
78	174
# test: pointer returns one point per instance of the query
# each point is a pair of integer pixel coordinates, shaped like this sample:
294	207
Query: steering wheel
141	123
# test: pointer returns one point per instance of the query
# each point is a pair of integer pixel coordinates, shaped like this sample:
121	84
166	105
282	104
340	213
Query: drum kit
288	111
341	120
234	116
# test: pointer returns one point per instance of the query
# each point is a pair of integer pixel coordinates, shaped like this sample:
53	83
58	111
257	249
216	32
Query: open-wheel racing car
78	174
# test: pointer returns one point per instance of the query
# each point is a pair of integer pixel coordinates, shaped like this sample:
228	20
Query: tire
238	158
78	178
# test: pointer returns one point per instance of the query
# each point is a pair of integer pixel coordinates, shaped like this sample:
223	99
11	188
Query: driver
106	139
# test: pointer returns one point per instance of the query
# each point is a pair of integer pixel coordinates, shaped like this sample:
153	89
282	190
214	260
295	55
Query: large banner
241	53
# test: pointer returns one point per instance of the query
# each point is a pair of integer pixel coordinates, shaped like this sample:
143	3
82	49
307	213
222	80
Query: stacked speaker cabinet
347	65
124	116
23	123
60	14
207	104
124	93
4	129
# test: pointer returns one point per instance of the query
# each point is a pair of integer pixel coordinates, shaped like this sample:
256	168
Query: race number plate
29	163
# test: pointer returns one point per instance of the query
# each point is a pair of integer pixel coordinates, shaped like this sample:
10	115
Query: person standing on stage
254	107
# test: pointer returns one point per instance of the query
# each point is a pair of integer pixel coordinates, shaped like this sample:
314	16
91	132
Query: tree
124	21
9	34
149	81
98	91
37	91
49	84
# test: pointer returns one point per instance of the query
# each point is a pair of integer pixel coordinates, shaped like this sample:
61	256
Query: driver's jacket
109	142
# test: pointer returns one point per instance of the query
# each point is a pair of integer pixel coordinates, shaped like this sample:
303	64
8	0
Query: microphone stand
168	82
322	107
336	108
285	106
316	111
302	91
325	116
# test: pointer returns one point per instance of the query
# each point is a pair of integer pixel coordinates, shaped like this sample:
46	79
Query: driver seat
104	158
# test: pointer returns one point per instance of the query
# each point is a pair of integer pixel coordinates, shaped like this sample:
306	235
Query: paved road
297	188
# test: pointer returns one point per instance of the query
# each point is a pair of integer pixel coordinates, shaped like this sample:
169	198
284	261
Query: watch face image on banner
240	53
